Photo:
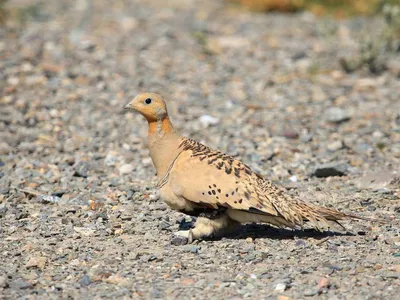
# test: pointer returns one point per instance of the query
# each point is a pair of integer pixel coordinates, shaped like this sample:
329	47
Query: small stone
324	283
117	279
301	243
336	145
37	262
3	282
207	120
49	199
281	297
179	240
331	169
85	280
126	169
147	162
310	293
81	170
280	287
195	249
111	159
164	225
290	134
84	231
337	115
4	148
21	284
391	275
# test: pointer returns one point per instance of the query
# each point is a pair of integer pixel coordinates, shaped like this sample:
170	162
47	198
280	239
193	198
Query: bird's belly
172	200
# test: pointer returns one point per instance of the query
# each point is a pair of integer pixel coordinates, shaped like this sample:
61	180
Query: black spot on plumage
247	195
209	193
219	191
214	185
237	172
233	193
240	200
213	191
228	170
217	197
210	186
203	193
212	160
235	201
237	189
227	195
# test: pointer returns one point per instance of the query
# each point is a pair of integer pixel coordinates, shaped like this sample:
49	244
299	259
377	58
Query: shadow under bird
220	190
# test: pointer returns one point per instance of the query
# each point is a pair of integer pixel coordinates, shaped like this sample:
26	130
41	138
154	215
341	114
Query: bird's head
150	105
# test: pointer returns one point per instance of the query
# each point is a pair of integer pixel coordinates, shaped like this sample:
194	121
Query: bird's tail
320	217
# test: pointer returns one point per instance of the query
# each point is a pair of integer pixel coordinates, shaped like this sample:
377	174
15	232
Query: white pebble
280	287
126	169
207	120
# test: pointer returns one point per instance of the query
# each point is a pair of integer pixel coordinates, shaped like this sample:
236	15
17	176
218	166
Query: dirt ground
79	213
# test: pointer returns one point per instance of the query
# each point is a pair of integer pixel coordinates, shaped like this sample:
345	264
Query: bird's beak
128	106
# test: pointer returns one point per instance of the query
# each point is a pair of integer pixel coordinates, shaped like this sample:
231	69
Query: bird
221	191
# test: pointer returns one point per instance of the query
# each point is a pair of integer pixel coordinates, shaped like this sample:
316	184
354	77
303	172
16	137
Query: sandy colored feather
210	178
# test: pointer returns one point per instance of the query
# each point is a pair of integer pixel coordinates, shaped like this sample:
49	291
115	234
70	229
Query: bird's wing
212	179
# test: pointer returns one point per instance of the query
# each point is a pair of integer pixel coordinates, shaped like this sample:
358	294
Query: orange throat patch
160	127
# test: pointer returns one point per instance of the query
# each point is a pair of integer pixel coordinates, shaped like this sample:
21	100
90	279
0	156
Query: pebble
85	231
50	199
3	282
39	262
85	280
337	115
126	169
334	146
21	284
310	293
179	240
207	120
81	170
324	283
280	287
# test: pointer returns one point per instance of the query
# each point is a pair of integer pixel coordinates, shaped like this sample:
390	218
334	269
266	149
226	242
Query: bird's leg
214	226
209	223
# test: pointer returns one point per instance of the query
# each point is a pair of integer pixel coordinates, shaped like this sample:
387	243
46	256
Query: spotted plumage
221	190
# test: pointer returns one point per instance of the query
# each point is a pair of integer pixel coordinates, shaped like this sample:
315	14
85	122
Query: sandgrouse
220	190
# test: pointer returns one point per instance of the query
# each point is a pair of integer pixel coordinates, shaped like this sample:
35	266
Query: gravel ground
79	215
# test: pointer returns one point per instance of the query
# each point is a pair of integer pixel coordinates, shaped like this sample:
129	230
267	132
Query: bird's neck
163	144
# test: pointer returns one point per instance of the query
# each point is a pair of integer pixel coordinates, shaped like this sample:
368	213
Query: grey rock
85	280
179	240
337	115
81	170
311	292
21	284
334	146
3	281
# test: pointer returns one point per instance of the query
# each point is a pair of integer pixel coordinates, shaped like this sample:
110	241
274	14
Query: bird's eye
147	101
